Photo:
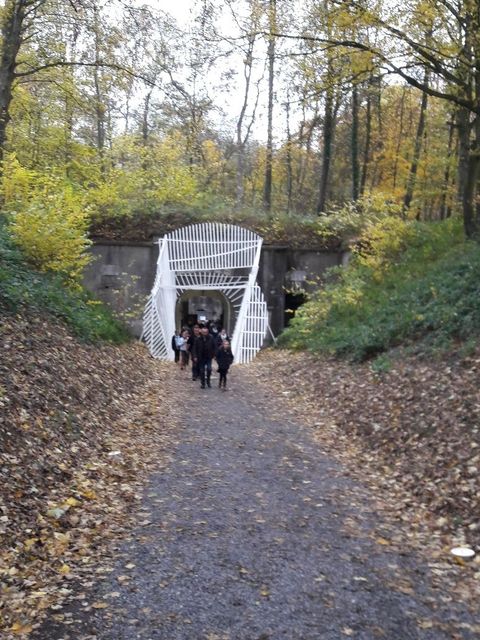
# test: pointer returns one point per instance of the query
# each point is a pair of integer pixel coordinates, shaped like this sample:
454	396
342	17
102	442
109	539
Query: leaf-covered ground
417	425
77	425
412	433
83	428
253	532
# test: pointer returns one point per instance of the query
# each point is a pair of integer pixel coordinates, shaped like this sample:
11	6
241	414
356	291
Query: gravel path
252	533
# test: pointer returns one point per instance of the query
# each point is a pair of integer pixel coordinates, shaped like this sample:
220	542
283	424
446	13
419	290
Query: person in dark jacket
220	336
224	360
191	342
203	353
175	346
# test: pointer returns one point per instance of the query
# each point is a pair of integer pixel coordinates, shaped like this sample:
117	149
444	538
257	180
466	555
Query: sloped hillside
77	423
412	431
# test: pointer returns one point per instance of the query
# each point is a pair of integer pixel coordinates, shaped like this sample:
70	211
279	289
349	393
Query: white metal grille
211	256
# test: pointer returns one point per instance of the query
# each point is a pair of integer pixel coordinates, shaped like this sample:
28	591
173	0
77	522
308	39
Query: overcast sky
230	100
179	9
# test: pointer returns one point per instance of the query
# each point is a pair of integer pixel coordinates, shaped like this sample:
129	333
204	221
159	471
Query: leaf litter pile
80	428
412	434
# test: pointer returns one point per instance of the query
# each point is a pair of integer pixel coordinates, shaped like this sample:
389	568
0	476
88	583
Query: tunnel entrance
293	300
198	267
204	306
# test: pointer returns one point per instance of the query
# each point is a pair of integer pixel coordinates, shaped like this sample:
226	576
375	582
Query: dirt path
252	533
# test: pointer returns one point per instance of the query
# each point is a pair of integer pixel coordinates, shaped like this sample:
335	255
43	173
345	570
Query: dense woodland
315	123
353	122
111	110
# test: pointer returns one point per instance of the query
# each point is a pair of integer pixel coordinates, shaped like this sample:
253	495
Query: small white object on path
465	553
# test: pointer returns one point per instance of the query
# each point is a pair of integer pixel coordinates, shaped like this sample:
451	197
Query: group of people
201	346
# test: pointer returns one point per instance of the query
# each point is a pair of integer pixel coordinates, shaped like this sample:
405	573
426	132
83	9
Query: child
224	360
184	353
176	349
178	340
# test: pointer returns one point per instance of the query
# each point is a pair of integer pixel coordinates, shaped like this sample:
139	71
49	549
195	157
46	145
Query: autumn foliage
408	283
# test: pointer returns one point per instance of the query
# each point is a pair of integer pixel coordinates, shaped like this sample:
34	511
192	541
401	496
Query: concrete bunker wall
122	274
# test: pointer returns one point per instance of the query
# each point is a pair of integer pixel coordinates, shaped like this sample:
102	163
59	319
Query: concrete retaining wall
122	275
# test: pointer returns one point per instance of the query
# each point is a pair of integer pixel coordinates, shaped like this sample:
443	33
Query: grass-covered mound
275	227
407	282
21	286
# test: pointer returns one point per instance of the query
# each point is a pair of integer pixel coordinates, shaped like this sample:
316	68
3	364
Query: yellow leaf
99	605
73	502
64	538
425	624
64	569
89	494
19	628
29	542
382	541
123	578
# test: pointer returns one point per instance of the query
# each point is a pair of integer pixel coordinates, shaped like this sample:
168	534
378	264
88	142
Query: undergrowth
329	230
22	287
407	283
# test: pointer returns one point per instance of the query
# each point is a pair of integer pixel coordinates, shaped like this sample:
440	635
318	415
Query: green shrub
48	220
407	282
337	226
22	287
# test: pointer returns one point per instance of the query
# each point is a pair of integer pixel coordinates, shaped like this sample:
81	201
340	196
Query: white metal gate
208	256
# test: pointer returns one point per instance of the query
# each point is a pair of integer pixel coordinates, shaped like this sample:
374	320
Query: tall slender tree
267	189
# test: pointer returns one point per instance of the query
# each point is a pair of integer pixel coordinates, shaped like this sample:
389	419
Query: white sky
183	11
179	9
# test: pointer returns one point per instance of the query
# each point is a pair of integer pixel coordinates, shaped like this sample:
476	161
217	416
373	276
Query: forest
286	116
335	124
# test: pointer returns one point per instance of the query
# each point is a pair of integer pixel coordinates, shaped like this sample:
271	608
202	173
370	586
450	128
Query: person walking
191	342
224	361
203	353
184	350
176	342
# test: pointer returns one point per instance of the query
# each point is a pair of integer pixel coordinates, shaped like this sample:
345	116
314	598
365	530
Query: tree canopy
265	108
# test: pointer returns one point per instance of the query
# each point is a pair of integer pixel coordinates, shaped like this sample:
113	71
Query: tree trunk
354	142
400	137
267	190
463	127
69	105
12	27
289	160
476	127
444	209
470	160
412	176
368	141
146	112
306	136
470	220
241	138
328	127
100	110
